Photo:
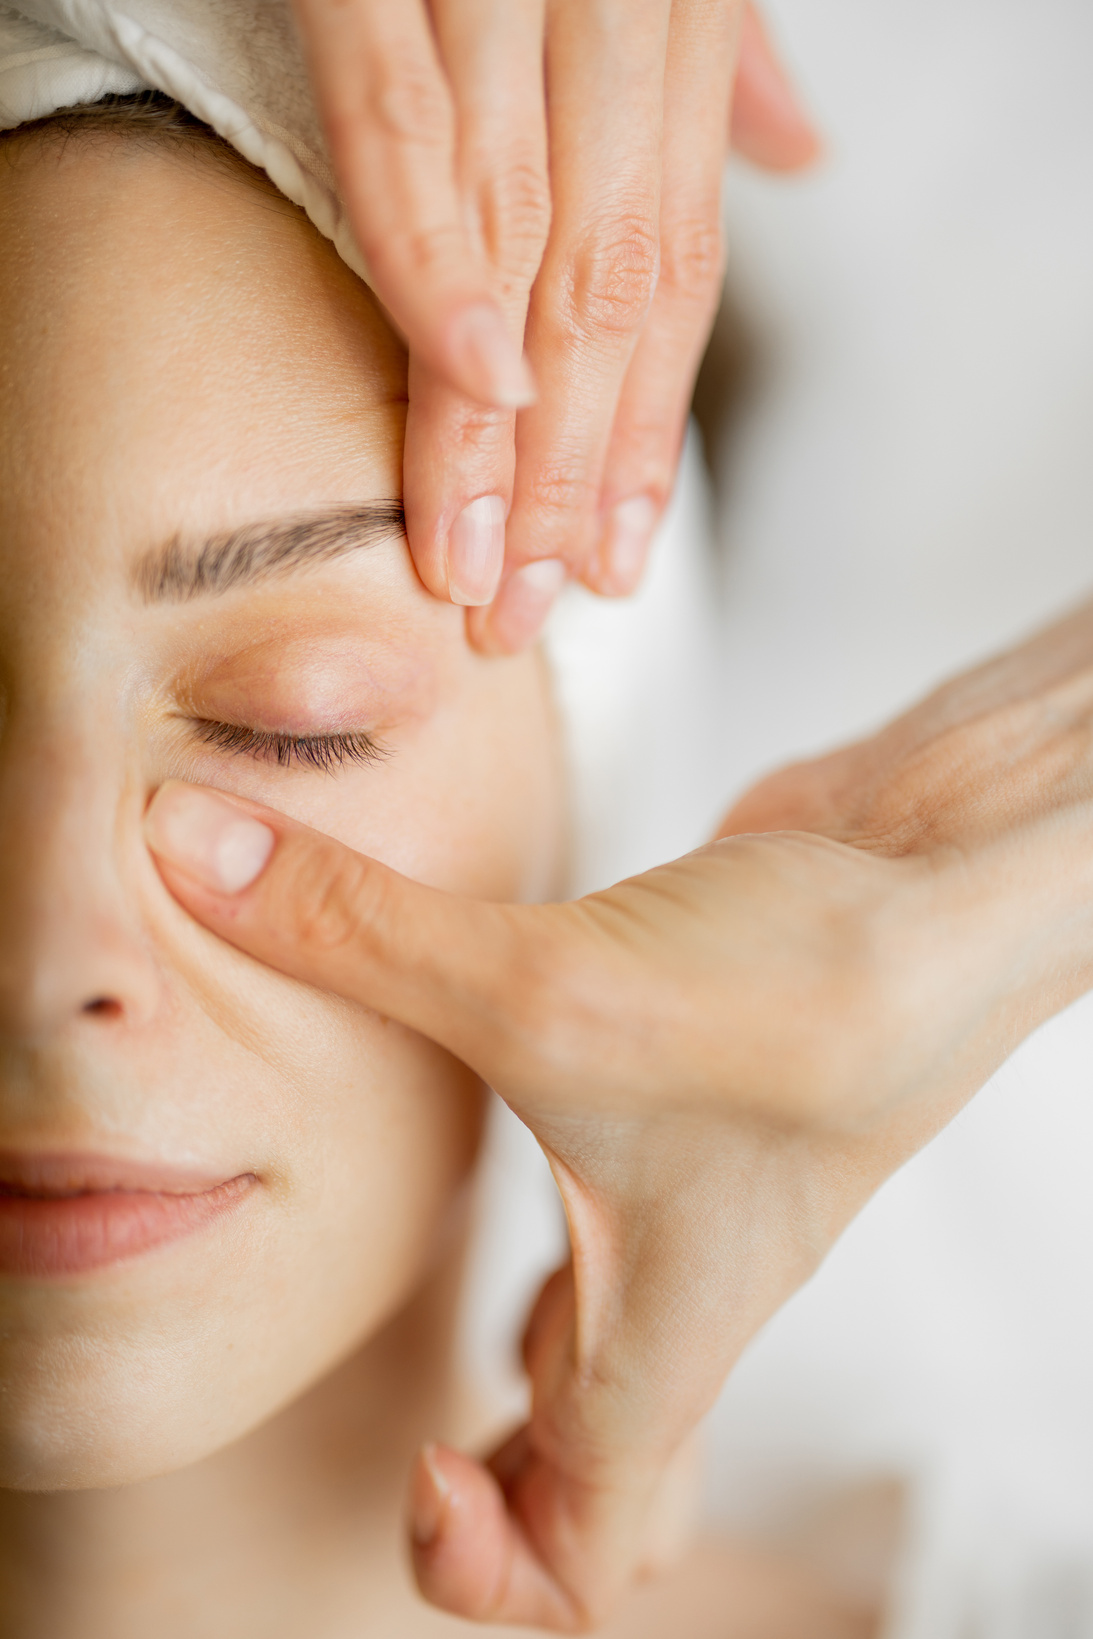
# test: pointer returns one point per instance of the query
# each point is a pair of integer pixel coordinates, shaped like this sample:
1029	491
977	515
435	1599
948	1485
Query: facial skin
183	358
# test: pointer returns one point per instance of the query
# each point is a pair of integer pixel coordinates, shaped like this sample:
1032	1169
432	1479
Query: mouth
67	1214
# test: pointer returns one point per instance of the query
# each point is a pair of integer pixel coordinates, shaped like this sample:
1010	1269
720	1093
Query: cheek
377	1159
491	806
362	1135
473	800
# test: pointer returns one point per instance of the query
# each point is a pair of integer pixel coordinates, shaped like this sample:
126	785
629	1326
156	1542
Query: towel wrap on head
235	64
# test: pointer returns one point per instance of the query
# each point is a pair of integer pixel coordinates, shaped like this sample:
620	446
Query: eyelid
295	680
323	752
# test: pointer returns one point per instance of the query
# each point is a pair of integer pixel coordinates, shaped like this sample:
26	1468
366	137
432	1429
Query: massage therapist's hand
722	1058
546	170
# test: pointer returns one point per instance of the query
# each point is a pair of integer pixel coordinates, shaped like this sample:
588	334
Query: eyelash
325	752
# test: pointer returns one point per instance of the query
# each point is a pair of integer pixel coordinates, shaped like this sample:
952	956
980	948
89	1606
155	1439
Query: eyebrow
180	570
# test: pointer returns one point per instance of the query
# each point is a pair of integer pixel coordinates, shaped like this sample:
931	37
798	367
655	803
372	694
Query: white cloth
235	64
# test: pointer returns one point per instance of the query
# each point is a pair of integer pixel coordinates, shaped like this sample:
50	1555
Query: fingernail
207	837
476	551
524	602
493	367
625	547
428	1498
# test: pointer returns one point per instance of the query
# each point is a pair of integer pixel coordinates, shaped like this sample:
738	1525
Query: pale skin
542	177
216	1436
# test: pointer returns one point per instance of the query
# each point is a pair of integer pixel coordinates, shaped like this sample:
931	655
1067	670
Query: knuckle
558	491
458	426
612	276
407	103
647	444
478	432
658	469
515	207
338	900
424	248
692	261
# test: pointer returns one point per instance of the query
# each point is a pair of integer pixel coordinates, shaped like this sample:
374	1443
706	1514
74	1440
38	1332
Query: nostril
103	1007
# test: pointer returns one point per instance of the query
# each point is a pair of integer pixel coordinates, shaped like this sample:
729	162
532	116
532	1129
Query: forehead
179	349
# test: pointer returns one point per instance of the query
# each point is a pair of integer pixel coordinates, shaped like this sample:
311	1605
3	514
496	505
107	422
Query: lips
66	1214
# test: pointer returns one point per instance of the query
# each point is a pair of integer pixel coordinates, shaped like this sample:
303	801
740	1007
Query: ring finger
605	90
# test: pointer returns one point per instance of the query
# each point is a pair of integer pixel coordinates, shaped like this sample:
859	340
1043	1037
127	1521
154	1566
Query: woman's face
215	1181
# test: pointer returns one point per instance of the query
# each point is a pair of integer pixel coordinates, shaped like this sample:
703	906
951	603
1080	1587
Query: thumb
316	910
550	1530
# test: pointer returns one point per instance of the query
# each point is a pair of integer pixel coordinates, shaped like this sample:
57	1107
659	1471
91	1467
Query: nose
73	952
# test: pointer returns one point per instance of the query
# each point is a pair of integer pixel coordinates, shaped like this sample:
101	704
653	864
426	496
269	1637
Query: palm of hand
843	986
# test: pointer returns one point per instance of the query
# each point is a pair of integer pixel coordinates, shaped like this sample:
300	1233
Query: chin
136	1370
113	1425
129	1372
98	1394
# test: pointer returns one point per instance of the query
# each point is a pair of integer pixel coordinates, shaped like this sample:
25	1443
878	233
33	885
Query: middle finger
459	454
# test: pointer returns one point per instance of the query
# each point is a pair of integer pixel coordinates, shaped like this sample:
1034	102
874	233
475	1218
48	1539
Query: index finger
390	120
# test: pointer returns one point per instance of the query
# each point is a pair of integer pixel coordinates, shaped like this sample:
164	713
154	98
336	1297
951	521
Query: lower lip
70	1234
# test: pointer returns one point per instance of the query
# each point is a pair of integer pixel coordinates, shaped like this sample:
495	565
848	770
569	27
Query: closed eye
325	752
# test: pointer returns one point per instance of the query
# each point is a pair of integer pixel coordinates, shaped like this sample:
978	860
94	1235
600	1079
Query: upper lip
49	1174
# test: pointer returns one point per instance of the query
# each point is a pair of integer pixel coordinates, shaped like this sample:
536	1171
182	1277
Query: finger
605	74
459	455
472	1538
648	432
640	467
768	125
551	1530
470	1555
457	484
515	618
528	996
389	117
492	52
456	970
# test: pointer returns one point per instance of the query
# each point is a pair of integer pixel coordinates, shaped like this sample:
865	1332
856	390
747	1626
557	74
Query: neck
294	1529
